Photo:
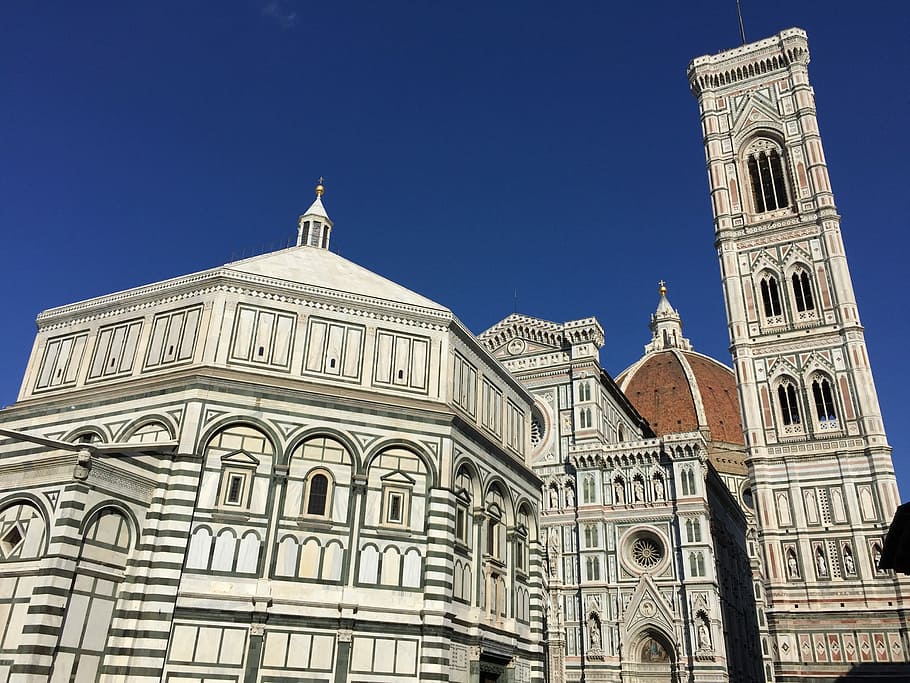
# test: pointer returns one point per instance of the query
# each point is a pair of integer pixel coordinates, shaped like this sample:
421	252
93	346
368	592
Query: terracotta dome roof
679	390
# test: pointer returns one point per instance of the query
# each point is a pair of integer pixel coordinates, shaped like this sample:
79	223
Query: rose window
647	552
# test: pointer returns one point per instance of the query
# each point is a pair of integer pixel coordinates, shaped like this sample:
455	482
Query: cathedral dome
677	389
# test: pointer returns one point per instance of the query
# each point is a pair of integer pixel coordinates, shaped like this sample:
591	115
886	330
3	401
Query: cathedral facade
289	468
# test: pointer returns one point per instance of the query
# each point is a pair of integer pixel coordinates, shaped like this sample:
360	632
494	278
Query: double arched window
764	161
592	539
688	482
823	403
588	488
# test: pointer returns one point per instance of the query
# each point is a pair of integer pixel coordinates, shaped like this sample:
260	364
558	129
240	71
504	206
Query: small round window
646	550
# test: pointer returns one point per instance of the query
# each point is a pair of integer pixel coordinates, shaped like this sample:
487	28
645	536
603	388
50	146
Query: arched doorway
650	659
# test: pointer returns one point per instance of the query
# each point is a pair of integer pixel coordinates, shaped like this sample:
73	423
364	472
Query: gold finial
663	287
320	188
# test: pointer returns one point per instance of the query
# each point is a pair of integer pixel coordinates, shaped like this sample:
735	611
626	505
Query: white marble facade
289	468
286	468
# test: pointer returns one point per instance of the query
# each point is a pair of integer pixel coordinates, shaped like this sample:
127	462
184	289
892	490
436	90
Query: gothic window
688	483
770	296
824	400
584	418
587	489
620	433
789	406
584	391
766	176
802	292
592	566
697	564
591	536
693	531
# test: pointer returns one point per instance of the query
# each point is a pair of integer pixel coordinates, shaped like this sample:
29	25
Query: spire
666	326
314	228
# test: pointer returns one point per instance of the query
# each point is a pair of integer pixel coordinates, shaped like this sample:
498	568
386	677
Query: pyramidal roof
309	266
322	269
317	208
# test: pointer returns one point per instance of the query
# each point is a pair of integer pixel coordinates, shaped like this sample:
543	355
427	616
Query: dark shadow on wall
867	673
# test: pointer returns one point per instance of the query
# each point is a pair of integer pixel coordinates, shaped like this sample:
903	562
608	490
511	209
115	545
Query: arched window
789	407
770	296
591	536
766	176
688	483
802	292
22	533
495	526
319	472
693	531
522	533
587	489
88	436
824	400
106	546
151	432
464	490
620	433
593	568
317	494
494	532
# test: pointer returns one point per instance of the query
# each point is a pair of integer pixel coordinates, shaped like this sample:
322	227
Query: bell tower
819	461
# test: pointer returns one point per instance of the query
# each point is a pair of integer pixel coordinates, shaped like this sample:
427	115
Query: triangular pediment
783	366
647	606
397	477
794	253
764	260
818	361
240	458
755	108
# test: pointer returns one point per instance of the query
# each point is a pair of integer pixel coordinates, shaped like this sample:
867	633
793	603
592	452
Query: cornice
236	282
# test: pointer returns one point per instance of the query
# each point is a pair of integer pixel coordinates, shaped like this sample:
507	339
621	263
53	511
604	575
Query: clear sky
471	150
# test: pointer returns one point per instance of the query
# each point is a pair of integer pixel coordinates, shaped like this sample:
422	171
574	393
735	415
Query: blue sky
471	151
